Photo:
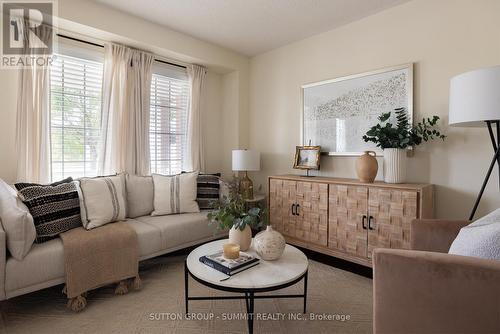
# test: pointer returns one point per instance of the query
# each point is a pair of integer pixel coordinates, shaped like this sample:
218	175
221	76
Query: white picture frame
336	113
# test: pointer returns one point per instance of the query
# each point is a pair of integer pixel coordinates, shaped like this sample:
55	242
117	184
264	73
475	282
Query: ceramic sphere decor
367	167
242	238
394	165
269	244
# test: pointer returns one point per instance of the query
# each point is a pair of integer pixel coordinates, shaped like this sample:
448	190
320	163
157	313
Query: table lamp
246	160
475	102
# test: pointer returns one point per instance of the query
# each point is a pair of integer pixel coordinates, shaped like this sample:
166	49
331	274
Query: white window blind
168	121
75	116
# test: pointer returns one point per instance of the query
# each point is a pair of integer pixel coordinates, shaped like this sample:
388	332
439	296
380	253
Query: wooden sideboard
346	218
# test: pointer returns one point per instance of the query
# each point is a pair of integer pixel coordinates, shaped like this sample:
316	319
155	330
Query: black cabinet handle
370	219
363	222
297	207
293	210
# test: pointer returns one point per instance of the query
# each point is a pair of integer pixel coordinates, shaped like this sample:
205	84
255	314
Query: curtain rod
101	46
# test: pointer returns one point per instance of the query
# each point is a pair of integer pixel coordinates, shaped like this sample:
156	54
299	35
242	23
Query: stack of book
229	266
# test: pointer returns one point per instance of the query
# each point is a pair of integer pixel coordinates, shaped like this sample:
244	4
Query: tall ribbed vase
394	165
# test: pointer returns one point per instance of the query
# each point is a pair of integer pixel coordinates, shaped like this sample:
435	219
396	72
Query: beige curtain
195	159
125	111
33	117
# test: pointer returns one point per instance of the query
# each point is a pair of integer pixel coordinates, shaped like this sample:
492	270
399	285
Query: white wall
222	108
443	38
213	131
230	119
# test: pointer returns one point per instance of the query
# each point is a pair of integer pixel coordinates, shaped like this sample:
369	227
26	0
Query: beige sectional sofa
43	266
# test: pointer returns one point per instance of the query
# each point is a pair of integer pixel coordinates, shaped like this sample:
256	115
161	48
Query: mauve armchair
426	290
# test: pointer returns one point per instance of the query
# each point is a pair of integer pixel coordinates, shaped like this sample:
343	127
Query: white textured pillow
102	200
479	239
175	194
17	222
139	195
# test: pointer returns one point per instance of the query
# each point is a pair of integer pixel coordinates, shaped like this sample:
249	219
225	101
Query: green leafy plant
232	211
402	135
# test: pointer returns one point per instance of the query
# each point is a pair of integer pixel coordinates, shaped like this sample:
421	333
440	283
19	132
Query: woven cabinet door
347	206
312	212
391	212
276	204
288	194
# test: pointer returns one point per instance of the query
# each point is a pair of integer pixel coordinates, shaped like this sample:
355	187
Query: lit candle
231	251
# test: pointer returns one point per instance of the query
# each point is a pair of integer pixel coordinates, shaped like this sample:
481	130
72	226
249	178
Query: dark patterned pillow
55	207
22	185
208	190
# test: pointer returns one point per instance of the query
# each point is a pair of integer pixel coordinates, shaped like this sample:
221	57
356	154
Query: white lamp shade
475	97
246	160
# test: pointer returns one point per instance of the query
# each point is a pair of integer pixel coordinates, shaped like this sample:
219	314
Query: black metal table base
248	294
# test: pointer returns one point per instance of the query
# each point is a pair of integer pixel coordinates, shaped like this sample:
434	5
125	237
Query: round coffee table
267	276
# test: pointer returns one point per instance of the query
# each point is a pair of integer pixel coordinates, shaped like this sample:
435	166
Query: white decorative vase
394	165
242	238
269	244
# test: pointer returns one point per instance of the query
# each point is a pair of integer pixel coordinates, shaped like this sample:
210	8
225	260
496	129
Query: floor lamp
475	101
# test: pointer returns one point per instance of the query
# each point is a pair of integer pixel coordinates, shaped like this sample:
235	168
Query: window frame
91	59
176	77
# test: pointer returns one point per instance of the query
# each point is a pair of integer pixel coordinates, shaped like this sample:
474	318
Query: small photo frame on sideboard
307	157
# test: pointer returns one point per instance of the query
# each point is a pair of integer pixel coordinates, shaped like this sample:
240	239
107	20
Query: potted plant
395	139
231	213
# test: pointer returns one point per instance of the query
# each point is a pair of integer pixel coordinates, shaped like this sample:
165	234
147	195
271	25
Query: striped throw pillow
55	207
208	190
103	200
174	194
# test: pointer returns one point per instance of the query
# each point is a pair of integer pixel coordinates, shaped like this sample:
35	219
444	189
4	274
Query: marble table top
267	274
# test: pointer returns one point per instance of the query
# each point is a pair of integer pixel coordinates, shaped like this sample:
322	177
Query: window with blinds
168	121
75	116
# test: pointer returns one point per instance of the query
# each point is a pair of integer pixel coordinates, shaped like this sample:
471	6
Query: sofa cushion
180	229
44	263
103	200
175	194
149	237
55	207
139	195
479	239
16	221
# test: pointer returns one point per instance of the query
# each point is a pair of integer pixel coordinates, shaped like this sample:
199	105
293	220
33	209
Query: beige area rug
331	291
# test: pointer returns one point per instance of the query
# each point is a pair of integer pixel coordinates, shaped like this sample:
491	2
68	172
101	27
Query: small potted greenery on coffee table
231	213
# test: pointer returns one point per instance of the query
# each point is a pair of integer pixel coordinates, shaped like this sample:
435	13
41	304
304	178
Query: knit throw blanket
98	257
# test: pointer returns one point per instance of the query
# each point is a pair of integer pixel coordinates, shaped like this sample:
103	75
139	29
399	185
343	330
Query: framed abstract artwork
337	113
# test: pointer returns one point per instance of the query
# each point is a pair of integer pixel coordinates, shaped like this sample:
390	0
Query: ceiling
251	27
